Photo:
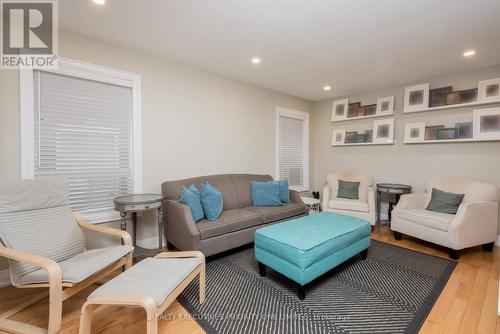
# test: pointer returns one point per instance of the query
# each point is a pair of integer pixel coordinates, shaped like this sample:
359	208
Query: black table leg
301	291
389	214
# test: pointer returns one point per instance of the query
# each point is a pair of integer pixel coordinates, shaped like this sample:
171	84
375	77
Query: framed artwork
385	106
338	137
383	131
414	132
350	137
487	124
416	98
353	109
370	110
437	96
431	132
369	136
446	133
464	130
339	110
489	90
468	95
453	98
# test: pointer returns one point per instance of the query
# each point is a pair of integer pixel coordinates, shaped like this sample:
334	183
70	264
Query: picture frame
339	109
338	137
414	132
353	109
468	95
431	132
453	98
486	124
489	90
437	96
369	136
416	98
383	131
370	110
446	133
350	137
385	106
465	130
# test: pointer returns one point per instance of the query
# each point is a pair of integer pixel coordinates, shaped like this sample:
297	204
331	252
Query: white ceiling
351	45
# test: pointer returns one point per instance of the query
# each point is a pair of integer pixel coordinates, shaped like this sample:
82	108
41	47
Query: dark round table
393	189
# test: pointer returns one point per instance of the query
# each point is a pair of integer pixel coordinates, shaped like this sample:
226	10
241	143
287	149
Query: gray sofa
238	221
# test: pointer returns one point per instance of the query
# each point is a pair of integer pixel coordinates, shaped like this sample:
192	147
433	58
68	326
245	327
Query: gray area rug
392	291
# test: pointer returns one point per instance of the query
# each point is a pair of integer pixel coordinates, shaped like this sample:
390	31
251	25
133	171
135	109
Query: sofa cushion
265	193
275	213
229	221
211	201
241	184
436	220
349	204
192	198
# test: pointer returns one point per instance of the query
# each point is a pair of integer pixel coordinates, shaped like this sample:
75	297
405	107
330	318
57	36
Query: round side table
394	189
134	204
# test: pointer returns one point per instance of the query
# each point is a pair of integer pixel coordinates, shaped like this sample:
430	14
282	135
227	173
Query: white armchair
363	208
475	222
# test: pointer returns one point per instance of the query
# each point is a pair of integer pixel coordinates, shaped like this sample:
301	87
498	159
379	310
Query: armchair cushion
365	181
349	204
348	189
436	220
444	202
80	266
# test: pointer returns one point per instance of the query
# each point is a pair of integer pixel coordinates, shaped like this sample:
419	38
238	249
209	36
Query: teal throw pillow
192	198
444	202
284	191
265	193
348	189
211	201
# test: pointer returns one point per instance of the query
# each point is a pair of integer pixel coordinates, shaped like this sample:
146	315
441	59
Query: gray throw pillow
444	202
348	189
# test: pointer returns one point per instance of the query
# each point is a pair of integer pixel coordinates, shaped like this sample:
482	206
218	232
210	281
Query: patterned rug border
413	327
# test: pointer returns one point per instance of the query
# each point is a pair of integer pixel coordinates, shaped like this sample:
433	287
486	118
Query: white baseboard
4	277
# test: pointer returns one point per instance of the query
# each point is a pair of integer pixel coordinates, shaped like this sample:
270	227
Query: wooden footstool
153	284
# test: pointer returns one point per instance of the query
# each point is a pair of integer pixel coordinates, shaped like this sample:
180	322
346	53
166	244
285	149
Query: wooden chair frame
147	302
57	290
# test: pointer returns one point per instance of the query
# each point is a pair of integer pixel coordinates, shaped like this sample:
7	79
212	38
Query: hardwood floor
468	303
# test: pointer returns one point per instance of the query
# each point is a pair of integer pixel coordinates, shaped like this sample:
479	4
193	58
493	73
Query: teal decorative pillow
348	189
284	191
192	198
211	201
444	202
265	193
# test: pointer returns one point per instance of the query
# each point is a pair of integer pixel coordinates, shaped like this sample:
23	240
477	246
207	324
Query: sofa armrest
180	228
326	197
474	224
295	197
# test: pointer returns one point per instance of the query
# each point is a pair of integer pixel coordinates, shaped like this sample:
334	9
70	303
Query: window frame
81	70
303	116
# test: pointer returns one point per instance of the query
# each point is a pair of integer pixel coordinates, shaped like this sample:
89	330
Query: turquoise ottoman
303	249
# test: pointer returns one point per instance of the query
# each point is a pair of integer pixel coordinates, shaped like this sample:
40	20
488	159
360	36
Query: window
83	122
293	147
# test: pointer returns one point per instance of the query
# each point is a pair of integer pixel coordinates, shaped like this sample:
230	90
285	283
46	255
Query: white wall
194	122
410	164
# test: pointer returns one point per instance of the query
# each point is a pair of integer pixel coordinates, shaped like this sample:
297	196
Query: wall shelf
453	106
361	117
460	140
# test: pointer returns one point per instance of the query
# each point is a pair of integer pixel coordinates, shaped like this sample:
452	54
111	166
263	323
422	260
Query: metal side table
140	203
391	188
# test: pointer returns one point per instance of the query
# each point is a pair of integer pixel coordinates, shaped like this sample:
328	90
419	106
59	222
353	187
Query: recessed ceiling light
469	53
255	60
327	88
100	2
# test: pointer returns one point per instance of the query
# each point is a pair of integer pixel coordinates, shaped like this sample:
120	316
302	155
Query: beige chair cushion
475	192
274	213
365	181
229	221
156	278
348	204
81	266
436	220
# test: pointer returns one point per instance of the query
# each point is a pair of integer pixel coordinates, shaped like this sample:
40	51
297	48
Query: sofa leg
454	254
373	228
488	247
398	235
170	246
301	291
364	254
262	269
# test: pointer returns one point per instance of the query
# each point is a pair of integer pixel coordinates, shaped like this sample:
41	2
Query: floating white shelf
361	117
453	106
460	140
362	144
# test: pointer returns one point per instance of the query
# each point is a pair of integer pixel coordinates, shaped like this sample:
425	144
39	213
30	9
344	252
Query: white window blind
83	130
293	146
